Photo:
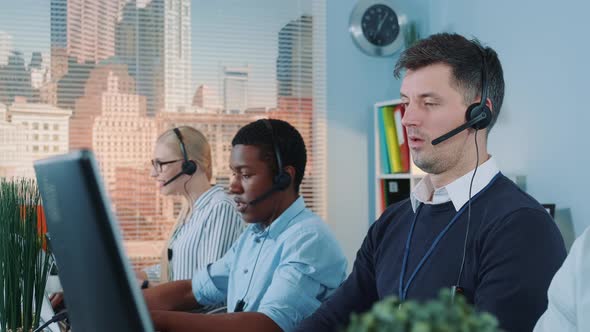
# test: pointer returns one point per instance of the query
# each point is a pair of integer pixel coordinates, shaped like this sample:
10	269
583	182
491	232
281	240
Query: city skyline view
215	38
111	75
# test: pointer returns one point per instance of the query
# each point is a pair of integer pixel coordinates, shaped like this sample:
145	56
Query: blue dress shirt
299	264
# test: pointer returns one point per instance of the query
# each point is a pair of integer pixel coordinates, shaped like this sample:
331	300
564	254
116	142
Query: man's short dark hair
286	138
465	59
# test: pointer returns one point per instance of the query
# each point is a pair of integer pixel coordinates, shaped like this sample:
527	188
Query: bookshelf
396	185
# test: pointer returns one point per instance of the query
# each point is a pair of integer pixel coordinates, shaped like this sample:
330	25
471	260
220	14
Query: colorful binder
384	154
395	161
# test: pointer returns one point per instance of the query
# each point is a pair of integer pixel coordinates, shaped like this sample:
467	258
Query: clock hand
381	23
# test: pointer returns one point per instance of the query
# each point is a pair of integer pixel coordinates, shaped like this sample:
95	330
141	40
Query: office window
140	67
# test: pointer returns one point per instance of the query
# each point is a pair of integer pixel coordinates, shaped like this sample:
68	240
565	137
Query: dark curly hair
287	139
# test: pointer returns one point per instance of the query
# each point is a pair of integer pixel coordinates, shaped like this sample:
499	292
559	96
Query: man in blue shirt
281	268
465	226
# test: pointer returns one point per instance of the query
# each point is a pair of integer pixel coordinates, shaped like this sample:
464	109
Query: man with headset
465	226
281	268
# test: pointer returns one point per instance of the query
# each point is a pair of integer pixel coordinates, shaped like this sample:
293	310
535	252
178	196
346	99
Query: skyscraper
5	47
295	59
30	131
39	69
235	89
139	44
15	79
123	138
95	101
203	97
153	38
177	55
70	86
12	146
83	30
295	102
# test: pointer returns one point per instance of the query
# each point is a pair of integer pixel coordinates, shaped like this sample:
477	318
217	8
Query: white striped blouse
209	232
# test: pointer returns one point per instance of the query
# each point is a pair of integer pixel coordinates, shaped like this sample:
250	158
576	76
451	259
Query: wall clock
376	27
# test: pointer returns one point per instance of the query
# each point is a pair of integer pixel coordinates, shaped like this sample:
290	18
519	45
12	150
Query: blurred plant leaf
437	315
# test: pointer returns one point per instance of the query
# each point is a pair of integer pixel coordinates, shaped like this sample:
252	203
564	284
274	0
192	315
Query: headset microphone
482	117
173	178
478	115
189	167
282	180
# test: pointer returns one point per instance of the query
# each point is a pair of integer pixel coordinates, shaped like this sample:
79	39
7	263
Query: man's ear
489	105
291	170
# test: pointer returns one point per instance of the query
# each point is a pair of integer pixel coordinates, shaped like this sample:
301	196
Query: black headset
189	167
282	180
478	115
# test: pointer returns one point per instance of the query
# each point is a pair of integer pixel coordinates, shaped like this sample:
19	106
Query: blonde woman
208	225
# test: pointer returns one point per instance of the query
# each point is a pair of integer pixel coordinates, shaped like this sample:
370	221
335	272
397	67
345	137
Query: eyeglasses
158	164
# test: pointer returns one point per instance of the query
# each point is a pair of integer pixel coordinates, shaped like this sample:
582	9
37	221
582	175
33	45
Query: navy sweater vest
514	249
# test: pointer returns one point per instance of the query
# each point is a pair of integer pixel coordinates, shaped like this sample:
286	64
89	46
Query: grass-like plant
437	315
24	255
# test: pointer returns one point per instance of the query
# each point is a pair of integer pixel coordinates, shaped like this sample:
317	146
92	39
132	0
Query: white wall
544	49
355	81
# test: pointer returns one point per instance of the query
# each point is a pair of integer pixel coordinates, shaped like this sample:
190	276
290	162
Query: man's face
251	177
434	106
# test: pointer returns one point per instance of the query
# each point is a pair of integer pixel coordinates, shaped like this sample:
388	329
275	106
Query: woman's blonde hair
196	145
198	150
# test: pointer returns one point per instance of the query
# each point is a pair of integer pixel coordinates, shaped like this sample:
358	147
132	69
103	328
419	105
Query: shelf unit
413	176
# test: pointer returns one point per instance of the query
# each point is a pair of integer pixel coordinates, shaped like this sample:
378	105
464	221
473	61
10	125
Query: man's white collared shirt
456	191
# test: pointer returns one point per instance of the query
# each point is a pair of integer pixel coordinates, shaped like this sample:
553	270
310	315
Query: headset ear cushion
282	180
189	167
474	110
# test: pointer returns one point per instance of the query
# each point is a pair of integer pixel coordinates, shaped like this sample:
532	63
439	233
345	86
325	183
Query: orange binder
402	138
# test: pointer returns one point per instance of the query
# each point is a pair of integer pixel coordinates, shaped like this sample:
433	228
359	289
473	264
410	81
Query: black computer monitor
100	289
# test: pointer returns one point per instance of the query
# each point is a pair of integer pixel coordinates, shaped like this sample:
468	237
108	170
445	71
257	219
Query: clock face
376	28
380	25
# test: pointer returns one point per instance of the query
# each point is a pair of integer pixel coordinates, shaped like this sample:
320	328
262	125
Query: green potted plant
438	315
25	259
